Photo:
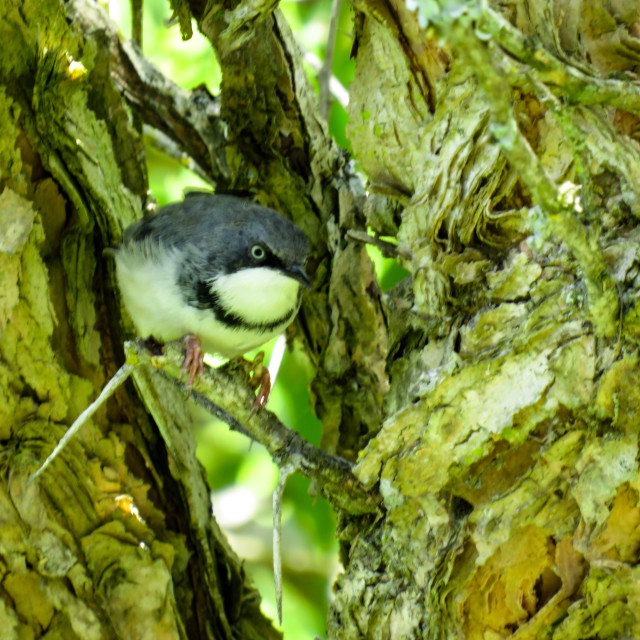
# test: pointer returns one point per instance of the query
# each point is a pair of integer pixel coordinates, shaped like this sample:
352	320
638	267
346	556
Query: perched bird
219	271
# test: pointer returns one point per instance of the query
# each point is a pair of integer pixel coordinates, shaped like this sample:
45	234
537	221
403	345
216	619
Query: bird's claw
193	359
262	381
263	394
193	367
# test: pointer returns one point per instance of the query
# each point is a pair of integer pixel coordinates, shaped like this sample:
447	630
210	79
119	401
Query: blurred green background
242	475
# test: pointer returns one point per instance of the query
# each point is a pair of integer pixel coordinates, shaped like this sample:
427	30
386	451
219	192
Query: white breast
157	307
150	294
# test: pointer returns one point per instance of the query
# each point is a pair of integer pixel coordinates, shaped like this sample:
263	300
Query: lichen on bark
502	428
89	550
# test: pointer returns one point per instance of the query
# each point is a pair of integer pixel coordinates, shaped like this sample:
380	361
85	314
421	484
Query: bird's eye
258	252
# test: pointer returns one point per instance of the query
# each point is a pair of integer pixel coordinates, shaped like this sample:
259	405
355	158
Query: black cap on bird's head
255	236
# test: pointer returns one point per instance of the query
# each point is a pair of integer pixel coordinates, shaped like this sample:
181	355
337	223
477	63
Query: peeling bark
499	467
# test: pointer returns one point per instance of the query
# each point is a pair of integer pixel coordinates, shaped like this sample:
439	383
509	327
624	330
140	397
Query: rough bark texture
507	458
490	400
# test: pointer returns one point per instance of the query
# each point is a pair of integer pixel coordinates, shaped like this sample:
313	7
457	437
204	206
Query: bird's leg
262	381
193	358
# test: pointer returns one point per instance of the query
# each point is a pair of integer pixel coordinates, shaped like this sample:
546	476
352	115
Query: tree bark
507	455
487	400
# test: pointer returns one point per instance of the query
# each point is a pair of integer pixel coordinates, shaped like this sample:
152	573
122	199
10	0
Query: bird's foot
262	381
193	359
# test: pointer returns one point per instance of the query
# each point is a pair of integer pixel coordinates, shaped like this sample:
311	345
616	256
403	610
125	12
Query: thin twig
168	146
337	89
119	378
136	36
283	475
136	21
388	249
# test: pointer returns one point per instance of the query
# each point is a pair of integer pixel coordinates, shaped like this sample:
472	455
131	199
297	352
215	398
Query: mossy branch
228	387
565	81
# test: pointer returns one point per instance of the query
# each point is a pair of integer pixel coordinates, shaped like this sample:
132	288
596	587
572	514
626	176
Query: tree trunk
507	455
487	400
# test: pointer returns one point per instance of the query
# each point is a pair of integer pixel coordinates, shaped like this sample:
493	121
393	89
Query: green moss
606	609
10	160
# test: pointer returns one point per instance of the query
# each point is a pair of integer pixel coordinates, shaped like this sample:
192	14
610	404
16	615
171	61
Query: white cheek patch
259	295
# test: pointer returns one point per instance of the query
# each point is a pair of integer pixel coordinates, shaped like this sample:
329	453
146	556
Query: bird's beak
297	273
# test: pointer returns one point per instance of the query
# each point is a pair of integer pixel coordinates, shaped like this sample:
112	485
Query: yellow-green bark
489	400
115	540
507	458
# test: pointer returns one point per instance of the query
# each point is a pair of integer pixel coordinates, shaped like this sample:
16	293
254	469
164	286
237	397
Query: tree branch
191	119
228	387
326	71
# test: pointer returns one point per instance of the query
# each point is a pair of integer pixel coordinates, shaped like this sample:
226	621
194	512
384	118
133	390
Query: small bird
219	271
